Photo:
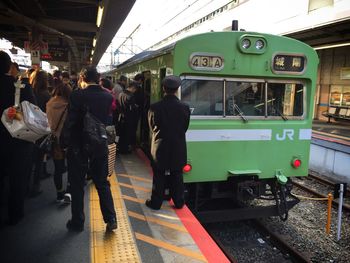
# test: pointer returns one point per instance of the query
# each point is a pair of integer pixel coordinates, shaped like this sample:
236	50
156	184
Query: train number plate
206	61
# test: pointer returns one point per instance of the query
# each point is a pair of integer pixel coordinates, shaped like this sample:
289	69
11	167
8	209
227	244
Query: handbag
29	122
46	145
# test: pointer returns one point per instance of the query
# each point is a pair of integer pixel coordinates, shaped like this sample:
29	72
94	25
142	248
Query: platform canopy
67	29
332	34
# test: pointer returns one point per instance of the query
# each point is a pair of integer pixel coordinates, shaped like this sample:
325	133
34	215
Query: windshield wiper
240	113
280	113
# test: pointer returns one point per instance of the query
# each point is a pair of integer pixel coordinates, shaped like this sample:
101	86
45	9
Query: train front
251	97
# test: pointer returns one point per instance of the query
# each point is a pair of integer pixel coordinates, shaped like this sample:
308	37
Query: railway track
275	240
307	188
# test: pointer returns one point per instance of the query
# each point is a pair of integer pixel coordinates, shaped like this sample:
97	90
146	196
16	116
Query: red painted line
203	240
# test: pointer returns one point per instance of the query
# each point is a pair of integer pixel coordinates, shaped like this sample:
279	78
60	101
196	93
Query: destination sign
206	61
288	63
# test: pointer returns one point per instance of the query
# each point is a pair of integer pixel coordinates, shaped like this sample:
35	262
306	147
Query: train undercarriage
242	197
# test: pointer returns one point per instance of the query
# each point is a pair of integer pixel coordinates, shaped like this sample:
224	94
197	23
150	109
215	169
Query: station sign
56	53
289	63
206	61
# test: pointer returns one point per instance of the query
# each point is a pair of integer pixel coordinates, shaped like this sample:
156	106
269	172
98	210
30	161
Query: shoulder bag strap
59	122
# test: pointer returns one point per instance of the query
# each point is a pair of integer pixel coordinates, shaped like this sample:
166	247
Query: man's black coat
169	120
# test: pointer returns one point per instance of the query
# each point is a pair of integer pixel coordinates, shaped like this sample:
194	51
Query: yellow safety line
147	190
176	249
136	177
157	221
332	135
118	246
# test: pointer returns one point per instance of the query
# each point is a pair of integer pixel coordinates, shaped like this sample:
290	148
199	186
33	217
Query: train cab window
203	96
285	99
245	98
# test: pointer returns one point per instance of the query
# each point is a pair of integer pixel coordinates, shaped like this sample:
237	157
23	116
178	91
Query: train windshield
252	99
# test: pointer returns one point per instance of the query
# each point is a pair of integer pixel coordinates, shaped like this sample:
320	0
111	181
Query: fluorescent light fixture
332	46
94	42
99	15
92	52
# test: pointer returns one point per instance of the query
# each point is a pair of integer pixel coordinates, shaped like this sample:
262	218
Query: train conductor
168	120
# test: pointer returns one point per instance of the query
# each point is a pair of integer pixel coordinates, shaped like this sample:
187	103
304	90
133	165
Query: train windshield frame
216	98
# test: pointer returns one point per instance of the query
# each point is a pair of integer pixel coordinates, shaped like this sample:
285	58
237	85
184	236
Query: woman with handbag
56	110
15	154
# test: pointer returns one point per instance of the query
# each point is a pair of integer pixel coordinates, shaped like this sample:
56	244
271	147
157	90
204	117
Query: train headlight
187	168
259	44
296	163
246	43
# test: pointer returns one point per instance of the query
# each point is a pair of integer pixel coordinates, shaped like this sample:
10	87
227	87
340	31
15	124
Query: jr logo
286	133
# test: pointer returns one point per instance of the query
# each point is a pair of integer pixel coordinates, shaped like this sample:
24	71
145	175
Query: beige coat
55	107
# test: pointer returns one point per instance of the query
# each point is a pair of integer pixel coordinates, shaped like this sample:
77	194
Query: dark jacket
99	103
7	99
169	120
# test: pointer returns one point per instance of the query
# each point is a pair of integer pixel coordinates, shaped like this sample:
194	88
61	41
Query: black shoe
111	225
74	227
179	206
150	205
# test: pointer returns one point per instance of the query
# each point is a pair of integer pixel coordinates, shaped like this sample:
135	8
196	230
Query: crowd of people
67	99
64	98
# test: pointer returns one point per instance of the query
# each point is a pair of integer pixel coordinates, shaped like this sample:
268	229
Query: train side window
203	96
285	99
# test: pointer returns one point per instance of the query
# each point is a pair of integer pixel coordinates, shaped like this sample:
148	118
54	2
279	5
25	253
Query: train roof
146	55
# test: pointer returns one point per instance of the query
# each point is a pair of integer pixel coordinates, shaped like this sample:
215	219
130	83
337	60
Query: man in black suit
98	102
168	120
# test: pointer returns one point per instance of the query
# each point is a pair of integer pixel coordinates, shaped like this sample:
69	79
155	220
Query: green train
251	97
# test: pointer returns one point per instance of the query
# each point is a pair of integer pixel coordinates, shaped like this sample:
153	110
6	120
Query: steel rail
334	202
282	243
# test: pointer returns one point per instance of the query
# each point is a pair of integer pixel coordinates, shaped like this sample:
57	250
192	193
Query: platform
143	235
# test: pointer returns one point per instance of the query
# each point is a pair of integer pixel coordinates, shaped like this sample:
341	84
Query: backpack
94	136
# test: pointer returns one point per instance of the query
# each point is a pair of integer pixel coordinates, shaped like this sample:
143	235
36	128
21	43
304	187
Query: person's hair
40	81
57	74
170	90
62	90
65	74
106	83
133	84
139	77
5	62
123	78
90	74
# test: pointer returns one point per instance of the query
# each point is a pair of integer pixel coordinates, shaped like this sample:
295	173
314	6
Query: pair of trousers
78	162
176	187
15	163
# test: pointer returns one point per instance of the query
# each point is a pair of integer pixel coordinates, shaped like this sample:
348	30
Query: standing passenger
168	120
42	95
15	154
127	117
98	102
56	110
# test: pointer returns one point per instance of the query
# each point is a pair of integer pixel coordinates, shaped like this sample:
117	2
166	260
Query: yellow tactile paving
118	246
